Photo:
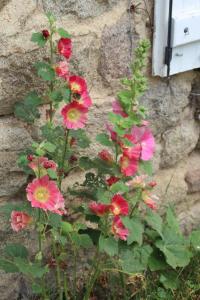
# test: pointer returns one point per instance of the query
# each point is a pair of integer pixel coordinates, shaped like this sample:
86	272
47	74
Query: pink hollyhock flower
62	70
145	123
19	220
113	134
99	209
149	200
118	229
111	180
144	137
137	182
119	206
44	193
74	115
85	99
77	84
65	47
134	151
106	156
117	109
152	183
40	165
128	166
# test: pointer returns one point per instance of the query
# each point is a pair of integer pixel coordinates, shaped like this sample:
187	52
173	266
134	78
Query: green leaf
175	248
195	239
66	93
16	250
52	173
170	280
146	166
27	110
36	288
38	38
54	220
30	269
136	230
86	163
172	220
157	261
104	140
56	96
51	17
108	245
81	240
135	260
119	186
63	33
7	266
81	138
45	71
49	147
154	221
66	227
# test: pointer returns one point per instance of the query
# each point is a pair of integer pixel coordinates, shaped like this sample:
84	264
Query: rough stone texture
179	142
192	178
13	139
80	8
116	54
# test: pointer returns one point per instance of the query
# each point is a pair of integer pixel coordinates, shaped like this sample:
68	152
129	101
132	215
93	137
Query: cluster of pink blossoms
118	207
75	113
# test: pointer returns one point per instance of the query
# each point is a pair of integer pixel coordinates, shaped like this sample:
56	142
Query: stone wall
105	33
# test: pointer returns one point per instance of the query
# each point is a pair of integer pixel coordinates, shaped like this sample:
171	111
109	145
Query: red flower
119	206
134	151
62	70
74	115
30	157
45	33
106	156
65	47
19	220
110	181
152	183
85	99
118	229
148	199
99	209
77	84
113	134
128	166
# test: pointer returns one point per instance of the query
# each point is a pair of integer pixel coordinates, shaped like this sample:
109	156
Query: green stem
58	272
65	286
95	270
63	157
51	62
122	279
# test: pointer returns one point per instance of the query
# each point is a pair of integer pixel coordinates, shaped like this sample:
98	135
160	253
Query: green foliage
136	230
16	250
63	33
27	110
104	140
82	140
45	71
108	245
38	38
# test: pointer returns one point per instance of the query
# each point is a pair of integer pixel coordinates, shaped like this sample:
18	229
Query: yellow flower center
73	114
75	87
116	210
41	194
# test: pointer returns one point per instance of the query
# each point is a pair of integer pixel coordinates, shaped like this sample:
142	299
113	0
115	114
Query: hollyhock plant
45	33
119	206
137	182
113	134
40	165
74	115
117	109
118	229
99	209
144	137
148	199
77	85
85	99
20	220
44	193
128	166
65	47
62	70
111	180
133	152
106	156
